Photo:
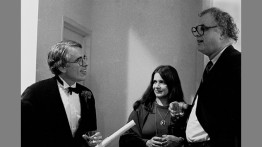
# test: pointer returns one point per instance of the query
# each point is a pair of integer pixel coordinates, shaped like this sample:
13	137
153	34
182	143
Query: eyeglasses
80	60
199	30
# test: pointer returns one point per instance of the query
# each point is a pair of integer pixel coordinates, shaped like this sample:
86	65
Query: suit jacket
44	121
219	100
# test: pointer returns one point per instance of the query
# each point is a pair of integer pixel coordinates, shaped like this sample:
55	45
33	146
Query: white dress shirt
194	130
71	105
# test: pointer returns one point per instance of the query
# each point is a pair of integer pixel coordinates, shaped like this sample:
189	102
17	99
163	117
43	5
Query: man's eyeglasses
80	60
199	30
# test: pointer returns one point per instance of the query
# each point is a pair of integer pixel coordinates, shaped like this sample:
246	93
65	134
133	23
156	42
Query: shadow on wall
130	39
140	65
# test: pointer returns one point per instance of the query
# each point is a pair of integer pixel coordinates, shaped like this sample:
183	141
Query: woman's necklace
163	120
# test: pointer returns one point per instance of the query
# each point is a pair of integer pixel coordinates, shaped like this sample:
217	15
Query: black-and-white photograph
131	73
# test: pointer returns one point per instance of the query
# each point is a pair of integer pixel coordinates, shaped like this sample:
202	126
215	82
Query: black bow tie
71	89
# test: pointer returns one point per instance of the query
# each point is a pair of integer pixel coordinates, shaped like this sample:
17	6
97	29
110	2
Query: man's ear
222	35
62	69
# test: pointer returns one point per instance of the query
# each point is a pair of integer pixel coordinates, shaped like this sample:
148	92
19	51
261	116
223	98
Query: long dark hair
170	76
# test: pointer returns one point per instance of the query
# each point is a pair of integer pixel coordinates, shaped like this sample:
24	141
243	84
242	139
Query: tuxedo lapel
58	108
82	99
88	113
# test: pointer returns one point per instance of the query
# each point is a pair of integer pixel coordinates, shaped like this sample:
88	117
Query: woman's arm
133	137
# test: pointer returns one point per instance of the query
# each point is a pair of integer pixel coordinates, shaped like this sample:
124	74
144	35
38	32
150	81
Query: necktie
207	69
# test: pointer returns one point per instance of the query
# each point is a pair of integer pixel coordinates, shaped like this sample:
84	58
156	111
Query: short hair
58	55
170	76
224	21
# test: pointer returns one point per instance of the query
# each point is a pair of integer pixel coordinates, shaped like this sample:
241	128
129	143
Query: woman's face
159	86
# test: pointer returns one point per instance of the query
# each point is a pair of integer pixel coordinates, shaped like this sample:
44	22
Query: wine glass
93	137
177	109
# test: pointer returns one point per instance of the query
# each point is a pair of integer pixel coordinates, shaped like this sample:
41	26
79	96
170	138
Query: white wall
29	13
130	39
50	26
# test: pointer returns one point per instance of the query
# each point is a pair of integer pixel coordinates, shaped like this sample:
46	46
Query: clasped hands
165	141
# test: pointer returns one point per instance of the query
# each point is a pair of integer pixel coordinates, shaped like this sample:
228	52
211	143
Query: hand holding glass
177	108
93	138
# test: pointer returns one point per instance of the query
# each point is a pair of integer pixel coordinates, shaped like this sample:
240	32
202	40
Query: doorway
77	32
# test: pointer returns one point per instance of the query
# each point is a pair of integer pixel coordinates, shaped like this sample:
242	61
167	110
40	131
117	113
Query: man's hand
179	106
93	140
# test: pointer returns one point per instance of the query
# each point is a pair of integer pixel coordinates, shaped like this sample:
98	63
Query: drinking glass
90	135
177	108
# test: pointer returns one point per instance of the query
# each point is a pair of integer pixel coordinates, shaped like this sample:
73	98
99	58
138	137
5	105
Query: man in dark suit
57	112
215	118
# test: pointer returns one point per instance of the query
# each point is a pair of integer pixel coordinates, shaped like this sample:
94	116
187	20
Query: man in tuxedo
215	118
58	111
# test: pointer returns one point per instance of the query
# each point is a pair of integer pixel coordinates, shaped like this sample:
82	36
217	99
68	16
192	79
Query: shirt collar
65	85
214	60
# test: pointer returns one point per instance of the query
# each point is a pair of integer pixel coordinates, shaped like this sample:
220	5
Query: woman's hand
173	141
156	142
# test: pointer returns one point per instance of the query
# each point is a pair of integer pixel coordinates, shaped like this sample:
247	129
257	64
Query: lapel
58	107
214	71
57	110
54	111
204	92
85	109
221	65
218	67
83	99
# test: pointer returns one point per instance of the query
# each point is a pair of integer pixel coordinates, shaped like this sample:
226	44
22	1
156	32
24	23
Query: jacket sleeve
28	118
133	137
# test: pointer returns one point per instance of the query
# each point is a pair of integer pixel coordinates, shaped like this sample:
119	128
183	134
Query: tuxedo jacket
44	121
219	100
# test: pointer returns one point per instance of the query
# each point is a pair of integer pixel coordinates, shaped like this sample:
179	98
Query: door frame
72	25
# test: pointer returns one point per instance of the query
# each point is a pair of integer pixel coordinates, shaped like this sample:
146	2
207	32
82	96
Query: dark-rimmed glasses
80	60
199	30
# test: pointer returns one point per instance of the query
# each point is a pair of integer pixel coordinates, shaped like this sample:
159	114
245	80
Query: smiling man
59	111
215	118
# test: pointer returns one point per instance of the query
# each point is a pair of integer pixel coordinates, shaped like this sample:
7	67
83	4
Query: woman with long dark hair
154	125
